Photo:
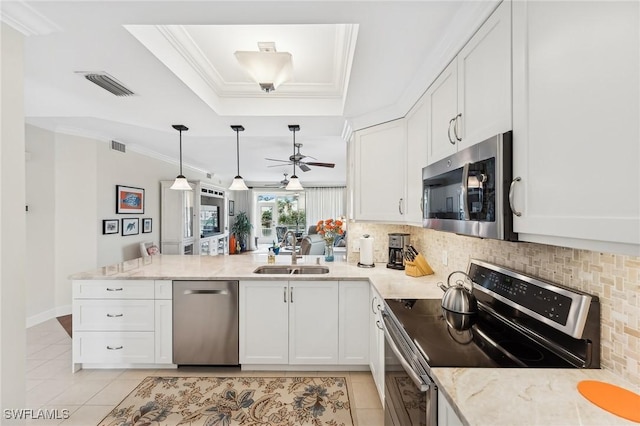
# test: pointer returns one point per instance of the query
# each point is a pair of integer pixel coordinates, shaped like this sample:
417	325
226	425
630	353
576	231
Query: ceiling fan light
267	68
294	184
238	184
181	184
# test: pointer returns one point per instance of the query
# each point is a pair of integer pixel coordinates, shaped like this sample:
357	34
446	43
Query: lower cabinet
122	322
301	323
376	341
446	415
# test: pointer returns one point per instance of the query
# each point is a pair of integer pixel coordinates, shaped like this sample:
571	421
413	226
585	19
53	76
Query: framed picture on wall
231	207
110	226
129	199
146	225
130	226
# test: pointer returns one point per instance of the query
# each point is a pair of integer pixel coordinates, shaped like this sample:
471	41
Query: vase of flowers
329	229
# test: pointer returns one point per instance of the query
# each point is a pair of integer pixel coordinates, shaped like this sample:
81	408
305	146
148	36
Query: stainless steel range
521	322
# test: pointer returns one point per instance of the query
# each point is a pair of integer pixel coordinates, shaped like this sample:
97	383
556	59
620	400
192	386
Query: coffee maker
397	243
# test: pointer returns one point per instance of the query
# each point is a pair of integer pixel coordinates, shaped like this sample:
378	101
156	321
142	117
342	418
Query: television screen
209	221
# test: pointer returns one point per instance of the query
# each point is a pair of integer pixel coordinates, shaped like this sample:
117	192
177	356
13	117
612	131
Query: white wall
12	222
71	189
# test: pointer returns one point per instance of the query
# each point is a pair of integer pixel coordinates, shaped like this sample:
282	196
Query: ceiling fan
297	158
282	184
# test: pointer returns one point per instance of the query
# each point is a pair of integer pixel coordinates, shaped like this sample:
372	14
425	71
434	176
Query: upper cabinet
470	100
379	172
576	86
417	131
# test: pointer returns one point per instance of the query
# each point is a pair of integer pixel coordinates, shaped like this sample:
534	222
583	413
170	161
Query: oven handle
422	382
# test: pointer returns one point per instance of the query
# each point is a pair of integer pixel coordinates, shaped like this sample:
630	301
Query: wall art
129	199
130	226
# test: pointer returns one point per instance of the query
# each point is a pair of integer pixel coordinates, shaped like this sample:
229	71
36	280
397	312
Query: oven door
409	393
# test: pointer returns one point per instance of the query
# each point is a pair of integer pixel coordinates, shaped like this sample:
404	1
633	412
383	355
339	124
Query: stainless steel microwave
467	192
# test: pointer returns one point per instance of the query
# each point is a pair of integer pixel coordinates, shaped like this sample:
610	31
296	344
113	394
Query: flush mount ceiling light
267	67
181	184
238	183
294	183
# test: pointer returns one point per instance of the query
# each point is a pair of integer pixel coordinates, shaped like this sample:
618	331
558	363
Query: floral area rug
224	401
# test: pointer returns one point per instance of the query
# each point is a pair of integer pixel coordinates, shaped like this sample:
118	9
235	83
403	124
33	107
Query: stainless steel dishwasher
205	322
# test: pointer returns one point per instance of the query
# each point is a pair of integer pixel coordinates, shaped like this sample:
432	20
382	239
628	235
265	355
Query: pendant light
294	182
181	183
238	183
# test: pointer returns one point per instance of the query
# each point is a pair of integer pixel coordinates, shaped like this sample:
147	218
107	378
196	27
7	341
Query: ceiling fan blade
282	161
303	167
321	164
279	165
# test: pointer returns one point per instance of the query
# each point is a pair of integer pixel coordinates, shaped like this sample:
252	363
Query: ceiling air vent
117	146
108	83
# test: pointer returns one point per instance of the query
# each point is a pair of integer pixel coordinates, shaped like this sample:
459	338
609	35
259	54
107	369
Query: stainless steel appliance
397	244
205	322
522	322
468	192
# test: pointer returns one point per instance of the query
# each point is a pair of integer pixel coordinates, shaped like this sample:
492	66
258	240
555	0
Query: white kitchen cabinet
380	170
121	323
470	100
417	133
264	322
446	414
177	220
576	109
163	327
303	322
313	322
376	341
353	338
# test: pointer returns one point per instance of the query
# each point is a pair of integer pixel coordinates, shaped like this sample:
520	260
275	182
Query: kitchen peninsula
477	396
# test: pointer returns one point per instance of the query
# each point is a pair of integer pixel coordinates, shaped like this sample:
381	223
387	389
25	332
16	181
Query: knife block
417	267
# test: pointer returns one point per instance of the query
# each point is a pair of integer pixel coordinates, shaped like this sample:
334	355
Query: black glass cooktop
489	343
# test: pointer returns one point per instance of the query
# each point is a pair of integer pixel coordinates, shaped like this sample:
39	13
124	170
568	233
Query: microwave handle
465	191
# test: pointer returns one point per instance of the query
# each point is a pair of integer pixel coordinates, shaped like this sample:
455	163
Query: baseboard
47	315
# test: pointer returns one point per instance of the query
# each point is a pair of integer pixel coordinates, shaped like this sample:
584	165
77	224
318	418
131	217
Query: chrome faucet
294	257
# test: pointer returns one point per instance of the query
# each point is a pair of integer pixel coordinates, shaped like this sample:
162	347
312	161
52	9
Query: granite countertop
480	396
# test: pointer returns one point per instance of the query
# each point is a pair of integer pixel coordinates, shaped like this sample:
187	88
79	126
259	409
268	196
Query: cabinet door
380	172
576	104
442	98
484	80
446	414
376	342
313	322
353	339
264	322
163	331
417	132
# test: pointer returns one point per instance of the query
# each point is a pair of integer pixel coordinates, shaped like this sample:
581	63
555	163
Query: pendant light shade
294	183
181	184
238	183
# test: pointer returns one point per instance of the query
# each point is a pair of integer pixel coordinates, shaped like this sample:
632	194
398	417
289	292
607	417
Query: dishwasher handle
221	292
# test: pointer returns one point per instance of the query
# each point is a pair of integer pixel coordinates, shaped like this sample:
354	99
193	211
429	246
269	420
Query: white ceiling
355	64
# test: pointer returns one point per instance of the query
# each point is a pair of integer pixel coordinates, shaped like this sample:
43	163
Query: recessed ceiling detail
202	56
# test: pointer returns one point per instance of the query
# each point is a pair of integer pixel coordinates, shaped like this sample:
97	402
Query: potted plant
241	228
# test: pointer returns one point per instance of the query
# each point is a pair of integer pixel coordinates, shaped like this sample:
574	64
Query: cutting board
614	399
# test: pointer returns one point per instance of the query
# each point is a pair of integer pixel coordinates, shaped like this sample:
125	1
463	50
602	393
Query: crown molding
25	19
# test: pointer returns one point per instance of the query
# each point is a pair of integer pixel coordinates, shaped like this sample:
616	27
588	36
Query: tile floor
89	395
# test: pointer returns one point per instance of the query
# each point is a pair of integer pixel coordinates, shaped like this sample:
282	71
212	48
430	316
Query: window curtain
325	203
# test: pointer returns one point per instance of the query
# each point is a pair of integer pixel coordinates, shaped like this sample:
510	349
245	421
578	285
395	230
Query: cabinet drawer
113	289
113	347
113	315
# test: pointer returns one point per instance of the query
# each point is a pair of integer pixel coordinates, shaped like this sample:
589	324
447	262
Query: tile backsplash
615	279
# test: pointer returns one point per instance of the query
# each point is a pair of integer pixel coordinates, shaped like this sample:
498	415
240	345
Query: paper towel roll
366	250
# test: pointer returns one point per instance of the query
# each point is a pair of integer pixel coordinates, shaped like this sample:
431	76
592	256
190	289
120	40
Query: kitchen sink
291	269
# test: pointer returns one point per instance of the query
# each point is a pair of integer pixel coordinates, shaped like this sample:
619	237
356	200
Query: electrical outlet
445	259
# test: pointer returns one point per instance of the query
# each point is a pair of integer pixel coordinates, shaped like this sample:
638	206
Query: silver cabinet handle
373	301
378	325
291	294
115	315
114	348
284	294
449	131
455	127
511	191
400	205
114	289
